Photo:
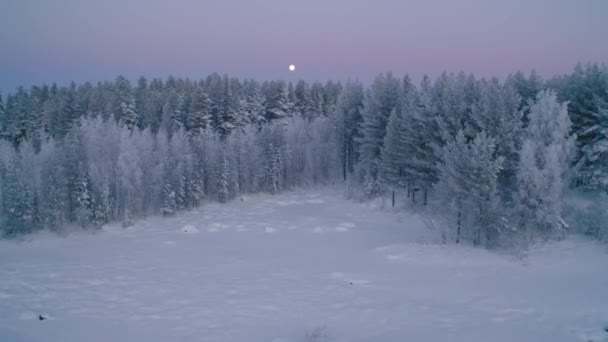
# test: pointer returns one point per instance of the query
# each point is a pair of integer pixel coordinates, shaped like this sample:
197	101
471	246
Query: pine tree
180	114
169	206
496	112
252	105
422	139
54	200
77	180
317	101
38	98
17	199
468	187
199	114
223	174
194	187
331	91
393	154
586	91
383	96
15	120
227	115
303	101
277	102
347	118
128	115
593	156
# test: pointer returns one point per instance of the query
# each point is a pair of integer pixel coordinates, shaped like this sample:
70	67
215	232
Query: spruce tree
199	114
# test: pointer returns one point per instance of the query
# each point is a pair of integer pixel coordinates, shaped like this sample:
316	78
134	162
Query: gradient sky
84	40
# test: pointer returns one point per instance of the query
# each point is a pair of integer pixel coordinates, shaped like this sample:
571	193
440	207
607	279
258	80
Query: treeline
495	156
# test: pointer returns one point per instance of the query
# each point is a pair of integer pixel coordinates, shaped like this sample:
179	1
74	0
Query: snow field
303	265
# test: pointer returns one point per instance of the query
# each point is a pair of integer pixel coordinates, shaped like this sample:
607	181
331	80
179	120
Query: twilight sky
85	40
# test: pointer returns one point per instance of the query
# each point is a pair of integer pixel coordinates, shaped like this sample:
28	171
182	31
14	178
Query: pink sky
84	40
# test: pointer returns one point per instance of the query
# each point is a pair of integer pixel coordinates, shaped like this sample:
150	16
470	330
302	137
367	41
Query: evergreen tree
223	174
393	154
330	96
252	105
128	115
15	120
317	101
495	111
277	102
77	180
347	118
592	164
468	187
17	199
227	115
303	100
422	139
586	91
169	206
380	100
199	113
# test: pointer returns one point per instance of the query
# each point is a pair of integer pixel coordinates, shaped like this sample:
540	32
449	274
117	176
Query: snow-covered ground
299	266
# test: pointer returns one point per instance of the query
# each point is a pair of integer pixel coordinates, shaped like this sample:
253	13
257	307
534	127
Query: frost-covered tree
77	180
317	100
277	103
383	96
400	142
586	91
199	114
544	165
54	201
593	155
330	96
252	103
347	119
273	154
128	116
303	100
18	206
223	178
468	175
421	138
1	107
180	113
393	155
226	119
495	110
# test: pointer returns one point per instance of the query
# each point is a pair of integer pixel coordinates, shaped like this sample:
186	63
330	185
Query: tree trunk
425	196
414	196
344	159
458	229
393	198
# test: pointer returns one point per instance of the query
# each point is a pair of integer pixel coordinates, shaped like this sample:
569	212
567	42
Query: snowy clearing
299	266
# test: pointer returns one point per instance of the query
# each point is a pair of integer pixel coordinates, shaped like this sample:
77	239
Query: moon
292	67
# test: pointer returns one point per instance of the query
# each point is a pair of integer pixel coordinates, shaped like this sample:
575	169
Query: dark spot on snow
41	318
351	283
606	329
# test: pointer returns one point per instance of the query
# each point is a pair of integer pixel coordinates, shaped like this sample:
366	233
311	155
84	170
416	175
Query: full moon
292	67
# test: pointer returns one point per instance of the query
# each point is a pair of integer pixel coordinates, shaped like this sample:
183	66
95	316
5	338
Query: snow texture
332	270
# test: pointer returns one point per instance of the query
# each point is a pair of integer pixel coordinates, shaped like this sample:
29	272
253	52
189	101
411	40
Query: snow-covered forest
492	162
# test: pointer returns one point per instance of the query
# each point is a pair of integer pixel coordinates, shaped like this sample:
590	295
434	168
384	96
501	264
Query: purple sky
84	40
